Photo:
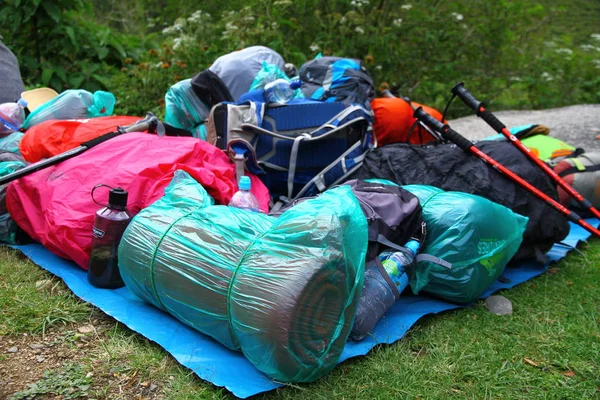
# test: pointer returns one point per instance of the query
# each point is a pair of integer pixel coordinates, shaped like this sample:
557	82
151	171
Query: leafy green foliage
513	54
58	44
70	382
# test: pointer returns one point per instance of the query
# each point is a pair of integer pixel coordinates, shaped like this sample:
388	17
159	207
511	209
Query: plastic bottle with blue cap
384	281
12	116
243	198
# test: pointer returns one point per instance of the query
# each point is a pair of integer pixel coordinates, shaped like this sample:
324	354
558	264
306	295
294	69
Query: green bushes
515	54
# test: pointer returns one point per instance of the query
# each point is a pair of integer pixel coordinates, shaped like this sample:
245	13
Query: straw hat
37	97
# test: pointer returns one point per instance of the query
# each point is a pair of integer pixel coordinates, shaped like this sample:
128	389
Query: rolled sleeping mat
283	291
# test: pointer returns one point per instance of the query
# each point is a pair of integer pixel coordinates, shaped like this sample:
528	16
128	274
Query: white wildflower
397	22
406	7
566	51
360	30
248	18
177	43
198	16
588	47
546	76
314	47
378	67
172	30
359	3
274	25
515	79
343	20
596	63
595	36
459	17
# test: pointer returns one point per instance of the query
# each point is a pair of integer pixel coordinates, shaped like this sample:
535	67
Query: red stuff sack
54	205
54	136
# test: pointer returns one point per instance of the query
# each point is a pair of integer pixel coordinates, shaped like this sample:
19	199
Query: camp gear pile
343	180
263	285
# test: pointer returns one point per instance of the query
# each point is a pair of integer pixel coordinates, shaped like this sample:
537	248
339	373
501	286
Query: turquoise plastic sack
185	110
11	142
477	236
269	73
282	290
73	104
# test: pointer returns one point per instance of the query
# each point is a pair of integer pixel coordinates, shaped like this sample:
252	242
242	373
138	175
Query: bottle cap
22	102
413	246
245	183
117	198
296	84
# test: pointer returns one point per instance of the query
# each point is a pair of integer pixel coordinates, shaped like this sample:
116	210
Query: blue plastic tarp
213	362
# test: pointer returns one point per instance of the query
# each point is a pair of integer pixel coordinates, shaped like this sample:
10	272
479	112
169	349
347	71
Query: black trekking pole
150	124
483	113
466	145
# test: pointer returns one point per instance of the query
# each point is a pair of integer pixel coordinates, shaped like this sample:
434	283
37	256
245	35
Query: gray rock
36	346
40	359
499	305
13	349
577	125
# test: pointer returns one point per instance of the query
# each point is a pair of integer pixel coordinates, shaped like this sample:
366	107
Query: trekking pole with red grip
465	144
479	108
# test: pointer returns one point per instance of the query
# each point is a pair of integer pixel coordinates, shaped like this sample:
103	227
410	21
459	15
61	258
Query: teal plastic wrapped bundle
282	290
476	236
270	73
73	104
185	110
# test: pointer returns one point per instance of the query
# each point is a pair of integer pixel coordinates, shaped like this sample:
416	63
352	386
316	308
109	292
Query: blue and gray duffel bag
298	149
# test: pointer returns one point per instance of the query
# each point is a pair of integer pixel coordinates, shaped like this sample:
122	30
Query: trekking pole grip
447	133
467	98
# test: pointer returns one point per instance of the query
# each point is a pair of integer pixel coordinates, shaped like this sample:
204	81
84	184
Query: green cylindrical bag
282	290
476	236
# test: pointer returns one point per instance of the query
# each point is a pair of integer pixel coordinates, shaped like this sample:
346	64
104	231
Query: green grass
548	349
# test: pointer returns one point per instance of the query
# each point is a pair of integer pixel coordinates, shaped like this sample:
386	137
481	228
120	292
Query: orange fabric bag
57	136
394	120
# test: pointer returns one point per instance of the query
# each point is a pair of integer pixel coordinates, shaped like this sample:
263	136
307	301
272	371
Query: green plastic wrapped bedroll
282	290
477	236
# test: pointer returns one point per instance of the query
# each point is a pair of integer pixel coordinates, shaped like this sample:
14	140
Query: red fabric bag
54	205
394	121
57	136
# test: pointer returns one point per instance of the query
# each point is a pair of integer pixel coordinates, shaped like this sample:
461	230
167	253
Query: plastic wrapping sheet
73	104
214	363
282	290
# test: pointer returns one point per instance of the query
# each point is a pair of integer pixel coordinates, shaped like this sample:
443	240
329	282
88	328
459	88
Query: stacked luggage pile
359	203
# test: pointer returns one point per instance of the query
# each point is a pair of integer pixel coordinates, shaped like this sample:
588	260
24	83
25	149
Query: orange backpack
394	122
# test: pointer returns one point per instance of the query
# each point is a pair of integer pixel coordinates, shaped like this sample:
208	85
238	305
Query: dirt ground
63	364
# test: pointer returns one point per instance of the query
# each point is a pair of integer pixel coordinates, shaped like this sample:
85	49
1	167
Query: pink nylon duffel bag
54	205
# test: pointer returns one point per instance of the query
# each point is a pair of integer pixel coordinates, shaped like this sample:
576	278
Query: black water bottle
109	225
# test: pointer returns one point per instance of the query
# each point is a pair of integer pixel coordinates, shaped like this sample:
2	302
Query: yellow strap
578	164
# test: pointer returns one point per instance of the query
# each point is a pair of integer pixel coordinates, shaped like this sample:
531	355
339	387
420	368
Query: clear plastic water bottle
243	198
12	116
281	91
109	224
378	296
